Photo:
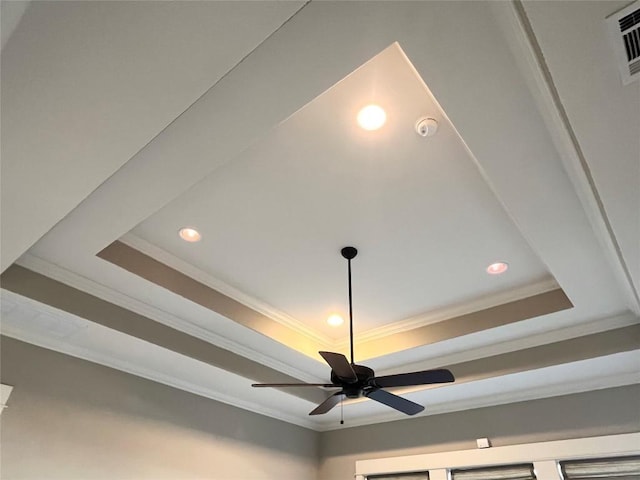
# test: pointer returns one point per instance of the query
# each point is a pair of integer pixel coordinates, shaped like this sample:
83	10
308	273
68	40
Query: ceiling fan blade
328	404
401	404
340	365
424	377
279	385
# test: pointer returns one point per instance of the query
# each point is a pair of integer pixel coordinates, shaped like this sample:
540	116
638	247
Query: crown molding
214	283
521	39
446	313
61	346
59	341
91	287
567	388
400	326
456	355
530	341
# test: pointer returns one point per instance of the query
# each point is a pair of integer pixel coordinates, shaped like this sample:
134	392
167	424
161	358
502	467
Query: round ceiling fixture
372	117
335	320
497	268
426	126
189	234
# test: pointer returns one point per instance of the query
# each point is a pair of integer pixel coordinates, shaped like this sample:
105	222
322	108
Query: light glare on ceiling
497	268
372	117
189	234
335	320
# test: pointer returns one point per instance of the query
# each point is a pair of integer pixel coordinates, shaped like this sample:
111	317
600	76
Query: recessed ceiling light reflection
372	117
335	320
189	234
497	268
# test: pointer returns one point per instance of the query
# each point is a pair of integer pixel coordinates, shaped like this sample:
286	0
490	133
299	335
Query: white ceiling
11	13
604	115
99	144
85	86
275	218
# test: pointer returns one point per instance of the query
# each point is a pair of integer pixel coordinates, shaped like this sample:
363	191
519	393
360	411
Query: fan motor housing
354	390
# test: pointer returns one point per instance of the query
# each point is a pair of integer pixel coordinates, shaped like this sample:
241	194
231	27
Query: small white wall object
5	391
483	443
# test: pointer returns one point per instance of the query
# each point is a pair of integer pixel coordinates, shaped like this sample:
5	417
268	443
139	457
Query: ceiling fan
357	381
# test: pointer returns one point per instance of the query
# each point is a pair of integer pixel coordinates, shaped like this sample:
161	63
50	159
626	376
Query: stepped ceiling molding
238	119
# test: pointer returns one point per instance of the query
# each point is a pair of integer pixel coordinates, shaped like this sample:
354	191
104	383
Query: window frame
544	455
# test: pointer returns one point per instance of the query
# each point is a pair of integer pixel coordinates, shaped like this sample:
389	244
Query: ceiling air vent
624	29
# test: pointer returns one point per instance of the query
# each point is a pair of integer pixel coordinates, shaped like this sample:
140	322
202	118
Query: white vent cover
624	29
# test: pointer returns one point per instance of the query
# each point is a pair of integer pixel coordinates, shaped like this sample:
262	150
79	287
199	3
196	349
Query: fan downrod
357	381
349	252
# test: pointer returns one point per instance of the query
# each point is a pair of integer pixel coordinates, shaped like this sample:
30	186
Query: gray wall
73	419
601	412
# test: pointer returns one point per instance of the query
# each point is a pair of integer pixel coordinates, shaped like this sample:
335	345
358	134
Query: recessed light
335	320
189	234
372	117
497	268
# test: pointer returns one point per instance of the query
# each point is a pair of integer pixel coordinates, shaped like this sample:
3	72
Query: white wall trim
210	281
609	445
446	313
155	376
56	330
91	287
512	16
596	383
62	345
421	320
521	343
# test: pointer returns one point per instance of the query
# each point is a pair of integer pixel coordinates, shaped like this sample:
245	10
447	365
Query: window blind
401	476
509	472
620	468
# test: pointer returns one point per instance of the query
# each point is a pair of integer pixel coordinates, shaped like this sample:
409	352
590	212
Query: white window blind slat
512	472
621	468
403	476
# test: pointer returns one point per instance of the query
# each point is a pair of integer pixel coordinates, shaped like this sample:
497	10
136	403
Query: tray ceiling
274	218
252	140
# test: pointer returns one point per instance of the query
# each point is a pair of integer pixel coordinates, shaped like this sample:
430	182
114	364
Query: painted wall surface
72	419
600	412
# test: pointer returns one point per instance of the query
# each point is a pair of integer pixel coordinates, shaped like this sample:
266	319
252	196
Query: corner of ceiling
516	28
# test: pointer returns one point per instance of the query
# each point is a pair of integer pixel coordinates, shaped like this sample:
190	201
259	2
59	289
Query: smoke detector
426	127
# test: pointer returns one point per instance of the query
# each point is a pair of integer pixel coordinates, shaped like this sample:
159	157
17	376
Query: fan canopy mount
349	252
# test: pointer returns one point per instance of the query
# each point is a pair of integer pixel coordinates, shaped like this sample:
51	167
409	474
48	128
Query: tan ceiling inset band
150	269
511	312
573	350
43	289
157	272
58	295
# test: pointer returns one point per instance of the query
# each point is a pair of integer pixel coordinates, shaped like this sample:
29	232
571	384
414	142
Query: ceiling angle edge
514	23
